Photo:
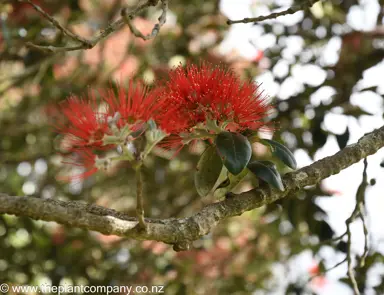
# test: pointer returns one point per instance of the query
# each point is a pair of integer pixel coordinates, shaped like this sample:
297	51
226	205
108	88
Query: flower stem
139	198
212	125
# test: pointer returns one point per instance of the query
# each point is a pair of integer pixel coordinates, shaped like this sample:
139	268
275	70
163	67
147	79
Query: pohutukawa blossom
82	125
206	96
214	93
136	104
90	125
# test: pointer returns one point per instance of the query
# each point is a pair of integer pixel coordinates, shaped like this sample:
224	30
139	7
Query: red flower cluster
193	97
196	94
86	121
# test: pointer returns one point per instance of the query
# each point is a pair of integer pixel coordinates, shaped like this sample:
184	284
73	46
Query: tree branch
54	22
181	232
293	9
156	29
90	43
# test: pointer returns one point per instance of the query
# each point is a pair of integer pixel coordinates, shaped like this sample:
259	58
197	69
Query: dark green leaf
207	171
267	172
282	152
235	151
324	230
342	247
319	136
342	139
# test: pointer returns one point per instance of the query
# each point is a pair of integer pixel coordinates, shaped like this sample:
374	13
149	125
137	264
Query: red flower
196	94
82	124
135	105
85	122
199	93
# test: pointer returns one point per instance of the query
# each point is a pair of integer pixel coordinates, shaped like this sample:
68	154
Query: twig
330	241
328	269
293	9
360	198
139	198
54	49
357	212
351	274
84	43
156	29
365	229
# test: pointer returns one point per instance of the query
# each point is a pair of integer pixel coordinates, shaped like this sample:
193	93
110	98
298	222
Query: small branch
156	29
54	49
357	212
360	199
295	8
182	231
87	43
328	269
351	274
329	241
365	229
334	239
139	198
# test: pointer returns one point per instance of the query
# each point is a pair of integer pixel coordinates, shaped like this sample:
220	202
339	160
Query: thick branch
181	232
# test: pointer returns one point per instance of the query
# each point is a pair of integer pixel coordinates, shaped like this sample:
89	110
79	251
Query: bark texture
182	231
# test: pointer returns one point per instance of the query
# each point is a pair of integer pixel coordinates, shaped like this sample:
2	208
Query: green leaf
235	151
282	152
230	182
267	171
207	171
342	139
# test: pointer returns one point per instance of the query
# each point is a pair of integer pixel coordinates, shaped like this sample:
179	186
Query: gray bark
182	231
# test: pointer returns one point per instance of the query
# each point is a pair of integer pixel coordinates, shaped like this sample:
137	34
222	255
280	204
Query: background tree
93	42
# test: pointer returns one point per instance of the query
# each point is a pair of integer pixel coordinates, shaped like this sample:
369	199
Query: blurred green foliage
241	253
